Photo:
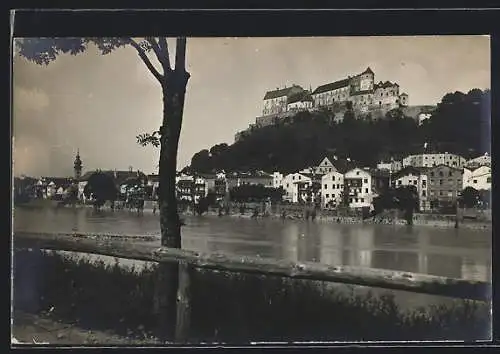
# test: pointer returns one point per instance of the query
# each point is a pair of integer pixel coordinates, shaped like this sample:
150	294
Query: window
365	180
400	182
300	177
333	178
488	180
440	192
366	190
449	174
357	173
327	195
440	181
423	193
362	200
326	186
293	178
356	200
415	182
440	173
350	200
330	170
333	186
338	186
474	181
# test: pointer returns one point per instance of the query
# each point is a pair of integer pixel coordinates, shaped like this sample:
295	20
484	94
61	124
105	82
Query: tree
102	186
173	82
470	197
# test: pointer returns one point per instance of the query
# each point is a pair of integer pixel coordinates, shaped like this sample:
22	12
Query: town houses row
438	178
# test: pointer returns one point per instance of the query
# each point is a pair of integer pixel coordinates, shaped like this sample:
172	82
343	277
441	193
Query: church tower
78	165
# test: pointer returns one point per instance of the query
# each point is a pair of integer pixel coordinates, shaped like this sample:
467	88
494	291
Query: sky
99	104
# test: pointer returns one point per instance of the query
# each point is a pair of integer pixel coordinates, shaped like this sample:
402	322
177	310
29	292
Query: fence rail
141	248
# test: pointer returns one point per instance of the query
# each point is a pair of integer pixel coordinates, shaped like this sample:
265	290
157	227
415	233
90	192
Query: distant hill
460	124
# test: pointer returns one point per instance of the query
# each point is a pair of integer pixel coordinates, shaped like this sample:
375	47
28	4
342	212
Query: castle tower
367	79
78	165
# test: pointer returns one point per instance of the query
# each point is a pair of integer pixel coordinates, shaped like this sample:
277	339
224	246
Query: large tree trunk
173	89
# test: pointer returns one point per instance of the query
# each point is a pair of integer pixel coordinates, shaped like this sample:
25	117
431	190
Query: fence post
165	299
183	303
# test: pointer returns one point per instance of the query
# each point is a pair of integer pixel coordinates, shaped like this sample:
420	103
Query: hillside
460	124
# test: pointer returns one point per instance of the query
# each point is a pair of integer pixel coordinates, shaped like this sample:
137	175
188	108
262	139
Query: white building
275	102
324	167
359	188
483	160
411	176
295	185
277	180
432	160
332	185
393	166
479	178
423	117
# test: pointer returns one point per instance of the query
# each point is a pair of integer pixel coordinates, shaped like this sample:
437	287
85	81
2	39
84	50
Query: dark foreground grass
229	307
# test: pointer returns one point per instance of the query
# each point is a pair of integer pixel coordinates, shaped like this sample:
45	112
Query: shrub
231	307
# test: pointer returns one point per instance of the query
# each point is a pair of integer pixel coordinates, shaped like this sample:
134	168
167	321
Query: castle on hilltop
365	95
360	92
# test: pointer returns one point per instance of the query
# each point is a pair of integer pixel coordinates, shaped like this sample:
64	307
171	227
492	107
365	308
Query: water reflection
455	253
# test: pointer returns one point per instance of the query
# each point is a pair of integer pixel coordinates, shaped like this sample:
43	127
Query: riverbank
231	307
420	220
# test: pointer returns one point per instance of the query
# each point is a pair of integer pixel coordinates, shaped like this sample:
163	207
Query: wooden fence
142	248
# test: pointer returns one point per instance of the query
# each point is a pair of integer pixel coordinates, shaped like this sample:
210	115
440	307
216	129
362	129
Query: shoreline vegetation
228	307
297	213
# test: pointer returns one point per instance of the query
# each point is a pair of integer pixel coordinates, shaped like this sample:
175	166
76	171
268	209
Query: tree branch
145	59
162	42
180	54
164	60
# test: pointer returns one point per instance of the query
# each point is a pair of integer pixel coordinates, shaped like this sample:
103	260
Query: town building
332	186
191	188
358	186
432	160
444	185
381	180
362	91
300	101
275	102
479	178
256	178
417	177
296	187
277	179
392	166
483	160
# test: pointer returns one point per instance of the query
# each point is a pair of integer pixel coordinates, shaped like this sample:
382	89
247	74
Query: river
462	253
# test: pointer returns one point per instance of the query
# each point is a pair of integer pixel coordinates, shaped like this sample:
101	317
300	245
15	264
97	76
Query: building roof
280	92
59	181
404	94
331	86
121	176
300	97
384	84
408	170
367	71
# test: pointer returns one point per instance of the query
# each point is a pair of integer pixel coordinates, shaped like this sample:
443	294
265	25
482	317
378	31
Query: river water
462	253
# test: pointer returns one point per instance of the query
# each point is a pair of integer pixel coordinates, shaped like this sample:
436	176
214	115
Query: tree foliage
255	193
102	187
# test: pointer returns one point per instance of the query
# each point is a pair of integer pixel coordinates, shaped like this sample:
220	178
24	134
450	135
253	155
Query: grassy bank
230	307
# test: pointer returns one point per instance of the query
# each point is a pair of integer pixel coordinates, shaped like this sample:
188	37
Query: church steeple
78	165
